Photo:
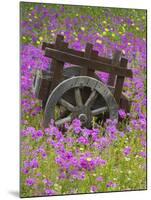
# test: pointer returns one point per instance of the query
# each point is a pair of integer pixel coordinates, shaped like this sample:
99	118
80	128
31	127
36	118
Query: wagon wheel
69	72
81	108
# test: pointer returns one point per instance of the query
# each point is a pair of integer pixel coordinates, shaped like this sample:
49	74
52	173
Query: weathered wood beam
84	62
57	65
120	81
115	61
78	53
87	54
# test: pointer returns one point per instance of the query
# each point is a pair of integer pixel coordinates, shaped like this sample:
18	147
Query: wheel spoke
66	104
62	121
99	110
91	98
78	97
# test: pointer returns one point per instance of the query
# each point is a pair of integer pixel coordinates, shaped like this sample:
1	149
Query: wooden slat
120	81
84	62
125	103
52	83
87	54
57	66
94	55
103	59
115	61
48	45
78	53
72	51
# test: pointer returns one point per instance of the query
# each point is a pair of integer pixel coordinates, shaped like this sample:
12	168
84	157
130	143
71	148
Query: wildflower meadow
77	159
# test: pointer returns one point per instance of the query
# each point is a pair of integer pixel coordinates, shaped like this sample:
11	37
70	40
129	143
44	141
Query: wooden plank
48	45
59	39
78	53
115	61
53	70
52	46
87	54
94	55
91	63
125	103
120	81
56	65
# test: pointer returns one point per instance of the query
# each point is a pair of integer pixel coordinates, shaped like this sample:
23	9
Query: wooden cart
77	91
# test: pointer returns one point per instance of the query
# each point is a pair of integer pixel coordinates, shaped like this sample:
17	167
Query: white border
9	99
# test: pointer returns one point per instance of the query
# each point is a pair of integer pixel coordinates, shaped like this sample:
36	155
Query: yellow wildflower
104	33
113	34
104	22
94	174
99	41
106	29
89	159
137	28
123	29
82	28
38	42
56	185
40	38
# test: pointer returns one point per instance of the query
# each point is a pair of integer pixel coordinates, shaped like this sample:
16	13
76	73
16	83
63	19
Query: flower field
81	160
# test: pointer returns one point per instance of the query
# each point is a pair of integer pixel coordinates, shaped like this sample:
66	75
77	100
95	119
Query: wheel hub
83	114
83	118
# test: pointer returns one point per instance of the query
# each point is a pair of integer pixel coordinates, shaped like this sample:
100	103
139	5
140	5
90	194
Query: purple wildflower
76	125
127	151
93	188
47	182
142	154
100	178
83	140
30	181
34	163
111	184
122	113
50	192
